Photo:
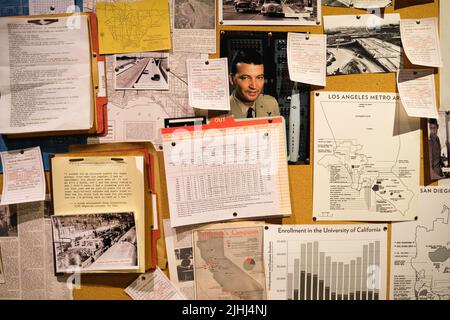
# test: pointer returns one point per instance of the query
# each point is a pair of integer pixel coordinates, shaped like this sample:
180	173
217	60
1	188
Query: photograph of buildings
8	220
363	44
95	242
270	12
141	71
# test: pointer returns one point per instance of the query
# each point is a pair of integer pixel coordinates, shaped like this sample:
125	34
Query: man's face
248	81
433	130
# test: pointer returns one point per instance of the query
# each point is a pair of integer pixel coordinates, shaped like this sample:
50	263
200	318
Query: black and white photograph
48	207
338	3
439	146
270	12
269	54
8	220
141	71
359	4
185	267
2	274
95	242
359	44
194	14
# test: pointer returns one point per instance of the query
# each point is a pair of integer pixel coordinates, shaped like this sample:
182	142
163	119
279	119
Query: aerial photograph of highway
141	71
363	44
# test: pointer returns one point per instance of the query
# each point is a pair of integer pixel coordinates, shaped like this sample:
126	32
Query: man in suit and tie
247	77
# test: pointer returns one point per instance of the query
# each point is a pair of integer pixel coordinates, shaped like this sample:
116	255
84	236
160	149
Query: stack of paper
100	214
49	82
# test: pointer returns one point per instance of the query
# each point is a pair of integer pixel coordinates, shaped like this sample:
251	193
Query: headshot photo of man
260	86
434	145
247	78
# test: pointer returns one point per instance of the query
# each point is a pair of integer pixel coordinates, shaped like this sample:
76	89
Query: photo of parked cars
270	12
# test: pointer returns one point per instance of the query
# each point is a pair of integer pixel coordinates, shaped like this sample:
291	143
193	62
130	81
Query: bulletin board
111	286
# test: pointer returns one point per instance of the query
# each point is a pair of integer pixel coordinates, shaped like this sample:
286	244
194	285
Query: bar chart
320	265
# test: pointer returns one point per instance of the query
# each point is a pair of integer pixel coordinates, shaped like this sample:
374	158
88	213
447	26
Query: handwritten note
444	72
23	176
208	84
417	92
154	286
420	41
307	58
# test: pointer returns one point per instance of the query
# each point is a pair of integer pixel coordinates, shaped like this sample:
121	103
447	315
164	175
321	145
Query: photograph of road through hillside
141	71
270	12
194	14
363	44
337	3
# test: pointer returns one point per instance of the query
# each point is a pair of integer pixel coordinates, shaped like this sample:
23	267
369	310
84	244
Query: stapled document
307	58
23	176
418	92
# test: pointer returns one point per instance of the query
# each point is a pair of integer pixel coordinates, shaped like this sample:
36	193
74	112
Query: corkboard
110	286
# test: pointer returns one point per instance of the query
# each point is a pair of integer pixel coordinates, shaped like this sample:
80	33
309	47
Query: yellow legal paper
133	27
83	185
